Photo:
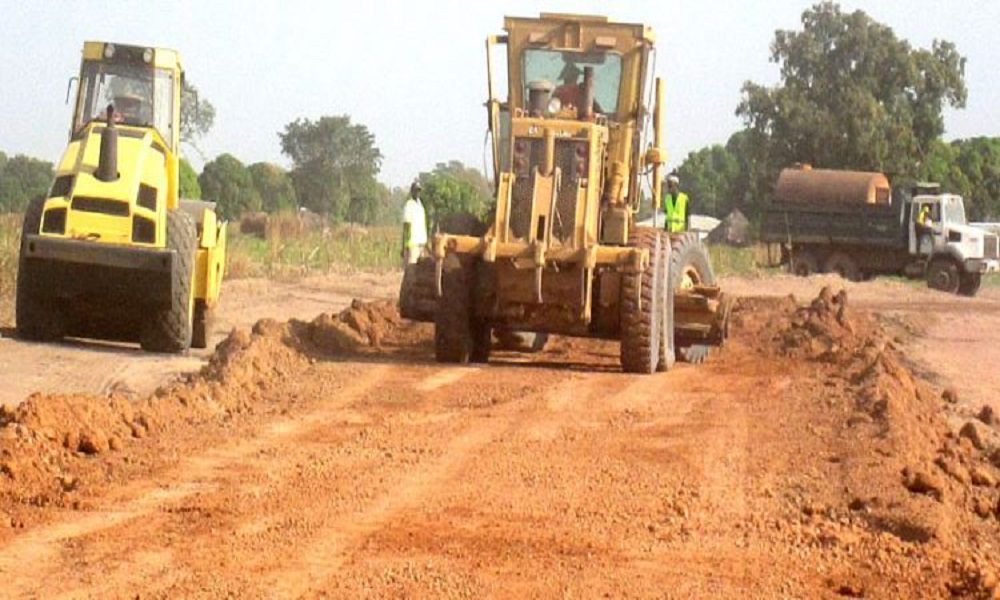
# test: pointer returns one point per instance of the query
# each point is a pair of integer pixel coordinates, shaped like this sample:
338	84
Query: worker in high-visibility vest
675	207
925	230
414	226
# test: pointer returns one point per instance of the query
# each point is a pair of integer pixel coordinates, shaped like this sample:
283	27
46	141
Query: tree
189	186
453	188
335	164
852	96
197	115
21	179
227	182
274	187
970	168
709	176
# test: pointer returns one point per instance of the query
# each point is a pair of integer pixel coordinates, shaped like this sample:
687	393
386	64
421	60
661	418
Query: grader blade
702	316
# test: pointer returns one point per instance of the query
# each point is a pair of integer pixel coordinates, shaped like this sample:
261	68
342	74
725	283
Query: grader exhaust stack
564	254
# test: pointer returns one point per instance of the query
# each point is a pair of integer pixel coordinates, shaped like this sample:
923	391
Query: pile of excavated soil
362	324
909	487
48	442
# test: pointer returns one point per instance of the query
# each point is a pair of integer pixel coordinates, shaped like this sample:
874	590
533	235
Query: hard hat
673	179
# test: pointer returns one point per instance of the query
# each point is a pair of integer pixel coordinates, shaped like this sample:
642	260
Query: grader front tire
690	266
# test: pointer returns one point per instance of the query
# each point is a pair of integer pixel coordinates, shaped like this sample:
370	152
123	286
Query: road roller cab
113	252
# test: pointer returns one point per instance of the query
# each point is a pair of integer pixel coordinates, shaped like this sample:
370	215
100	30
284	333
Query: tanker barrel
821	186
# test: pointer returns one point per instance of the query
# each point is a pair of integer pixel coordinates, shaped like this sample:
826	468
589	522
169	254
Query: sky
414	71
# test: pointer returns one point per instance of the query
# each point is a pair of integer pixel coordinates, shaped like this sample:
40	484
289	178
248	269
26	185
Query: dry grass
10	239
290	249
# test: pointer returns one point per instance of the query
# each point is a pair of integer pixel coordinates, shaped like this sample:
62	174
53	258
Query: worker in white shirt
414	226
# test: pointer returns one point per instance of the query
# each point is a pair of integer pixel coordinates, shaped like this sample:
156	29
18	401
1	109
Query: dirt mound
46	440
904	476
360	325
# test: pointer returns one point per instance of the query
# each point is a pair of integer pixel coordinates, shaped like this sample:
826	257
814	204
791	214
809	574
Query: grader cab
579	131
113	252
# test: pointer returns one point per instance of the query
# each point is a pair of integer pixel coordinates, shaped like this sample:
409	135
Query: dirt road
99	367
785	467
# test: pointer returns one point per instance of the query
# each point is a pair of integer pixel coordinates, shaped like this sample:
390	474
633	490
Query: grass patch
10	240
751	261
287	253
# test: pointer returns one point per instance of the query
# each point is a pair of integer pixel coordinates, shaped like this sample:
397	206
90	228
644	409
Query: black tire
453	336
803	263
37	318
943	275
204	319
170	328
969	284
642	306
689	264
843	264
668	354
482	341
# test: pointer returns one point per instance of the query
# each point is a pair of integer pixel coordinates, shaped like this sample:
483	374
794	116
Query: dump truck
853	223
113	252
577	135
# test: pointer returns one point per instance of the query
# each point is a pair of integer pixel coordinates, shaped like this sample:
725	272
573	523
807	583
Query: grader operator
580	129
113	252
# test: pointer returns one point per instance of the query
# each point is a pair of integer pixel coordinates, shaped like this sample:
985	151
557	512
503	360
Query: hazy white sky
414	71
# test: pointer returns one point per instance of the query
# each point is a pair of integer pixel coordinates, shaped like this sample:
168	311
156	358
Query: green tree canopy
852	96
335	165
274	187
21	179
970	168
453	188
710	177
228	183
189	186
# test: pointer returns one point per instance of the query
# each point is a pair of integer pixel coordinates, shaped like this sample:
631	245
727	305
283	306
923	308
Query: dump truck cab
952	244
108	248
579	127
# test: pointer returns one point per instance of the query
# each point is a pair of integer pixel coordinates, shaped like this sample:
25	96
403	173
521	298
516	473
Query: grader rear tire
642	306
453	341
37	318
169	329
690	266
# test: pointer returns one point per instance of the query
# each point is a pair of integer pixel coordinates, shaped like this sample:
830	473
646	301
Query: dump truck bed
874	225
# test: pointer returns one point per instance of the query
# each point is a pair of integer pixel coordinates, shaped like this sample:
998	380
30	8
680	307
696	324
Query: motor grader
112	252
580	130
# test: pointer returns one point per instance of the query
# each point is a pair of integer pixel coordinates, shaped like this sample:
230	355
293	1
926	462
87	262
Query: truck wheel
843	264
969	284
37	318
803	263
169	329
201	329
668	355
690	266
453	335
642	306
943	275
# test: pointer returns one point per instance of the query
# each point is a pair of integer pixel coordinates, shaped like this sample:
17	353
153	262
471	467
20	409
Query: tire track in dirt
337	545
192	476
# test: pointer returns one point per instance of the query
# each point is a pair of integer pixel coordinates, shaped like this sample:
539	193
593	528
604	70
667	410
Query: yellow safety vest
675	210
